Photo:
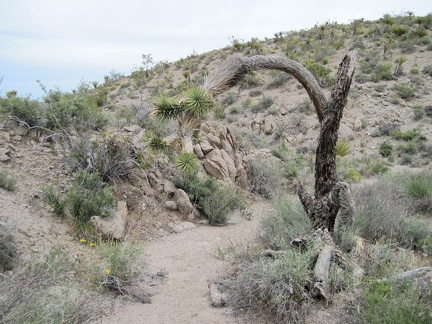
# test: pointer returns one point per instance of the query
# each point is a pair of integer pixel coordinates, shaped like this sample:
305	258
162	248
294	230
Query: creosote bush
213	199
89	196
51	197
23	108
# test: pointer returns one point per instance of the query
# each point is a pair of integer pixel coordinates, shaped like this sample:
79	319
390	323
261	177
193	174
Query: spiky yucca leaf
198	102
167	108
342	148
186	162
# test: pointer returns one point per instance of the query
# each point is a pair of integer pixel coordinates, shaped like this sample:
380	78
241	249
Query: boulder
170	204
232	170
206	147
115	225
133	129
357	124
184	205
169	187
213	140
216	157
198	151
213	169
183	227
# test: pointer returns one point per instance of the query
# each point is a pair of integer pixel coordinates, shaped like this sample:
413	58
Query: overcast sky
64	42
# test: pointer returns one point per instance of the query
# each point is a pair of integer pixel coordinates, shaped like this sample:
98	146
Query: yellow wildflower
91	244
107	271
83	240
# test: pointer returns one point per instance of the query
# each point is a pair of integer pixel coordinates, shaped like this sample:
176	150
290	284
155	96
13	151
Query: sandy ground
191	261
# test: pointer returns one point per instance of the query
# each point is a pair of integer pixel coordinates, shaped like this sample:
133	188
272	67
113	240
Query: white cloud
98	36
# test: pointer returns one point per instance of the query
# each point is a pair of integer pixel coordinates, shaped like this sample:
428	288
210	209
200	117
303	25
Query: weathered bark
324	206
235	68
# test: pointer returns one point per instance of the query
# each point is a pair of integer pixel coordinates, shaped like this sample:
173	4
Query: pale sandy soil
191	261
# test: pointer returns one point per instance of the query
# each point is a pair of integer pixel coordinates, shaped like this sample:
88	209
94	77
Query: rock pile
219	155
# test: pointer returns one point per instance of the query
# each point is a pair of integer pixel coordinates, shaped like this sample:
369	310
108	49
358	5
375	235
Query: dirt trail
190	258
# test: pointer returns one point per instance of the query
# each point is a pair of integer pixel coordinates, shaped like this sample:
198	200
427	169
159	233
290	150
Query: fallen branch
420	272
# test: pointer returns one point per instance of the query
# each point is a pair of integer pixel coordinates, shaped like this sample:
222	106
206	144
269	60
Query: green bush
362	78
264	103
7	182
78	108
404	90
286	221
418	187
385	149
23	108
89	196
279	78
7	250
50	196
213	199
382	71
217	205
228	99
390	302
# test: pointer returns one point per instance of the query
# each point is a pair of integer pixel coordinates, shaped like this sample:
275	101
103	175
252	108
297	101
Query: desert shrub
388	129
217	205
108	156
399	30
420	32
265	176
418	187
251	80
305	106
247	139
279	78
379	87
51	197
213	199
23	108
427	70
228	99
418	112
89	196
273	290
41	292
264	103
118	264
404	90
380	210
367	66
428	110
7	250
358	45
7	182
286	221
78	108
374	166
382	71
342	148
255	93
362	78
389	302
320	72
385	149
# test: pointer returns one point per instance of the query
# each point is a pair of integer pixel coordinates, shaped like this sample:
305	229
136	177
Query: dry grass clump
43	292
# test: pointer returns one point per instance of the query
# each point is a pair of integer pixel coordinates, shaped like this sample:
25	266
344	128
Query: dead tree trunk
323	207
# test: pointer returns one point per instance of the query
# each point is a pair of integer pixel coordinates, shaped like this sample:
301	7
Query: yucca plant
187	110
186	162
342	148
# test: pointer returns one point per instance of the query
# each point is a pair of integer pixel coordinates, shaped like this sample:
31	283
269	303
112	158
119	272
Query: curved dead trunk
235	68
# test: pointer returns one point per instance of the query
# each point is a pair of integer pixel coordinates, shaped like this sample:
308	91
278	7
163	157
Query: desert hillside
160	196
